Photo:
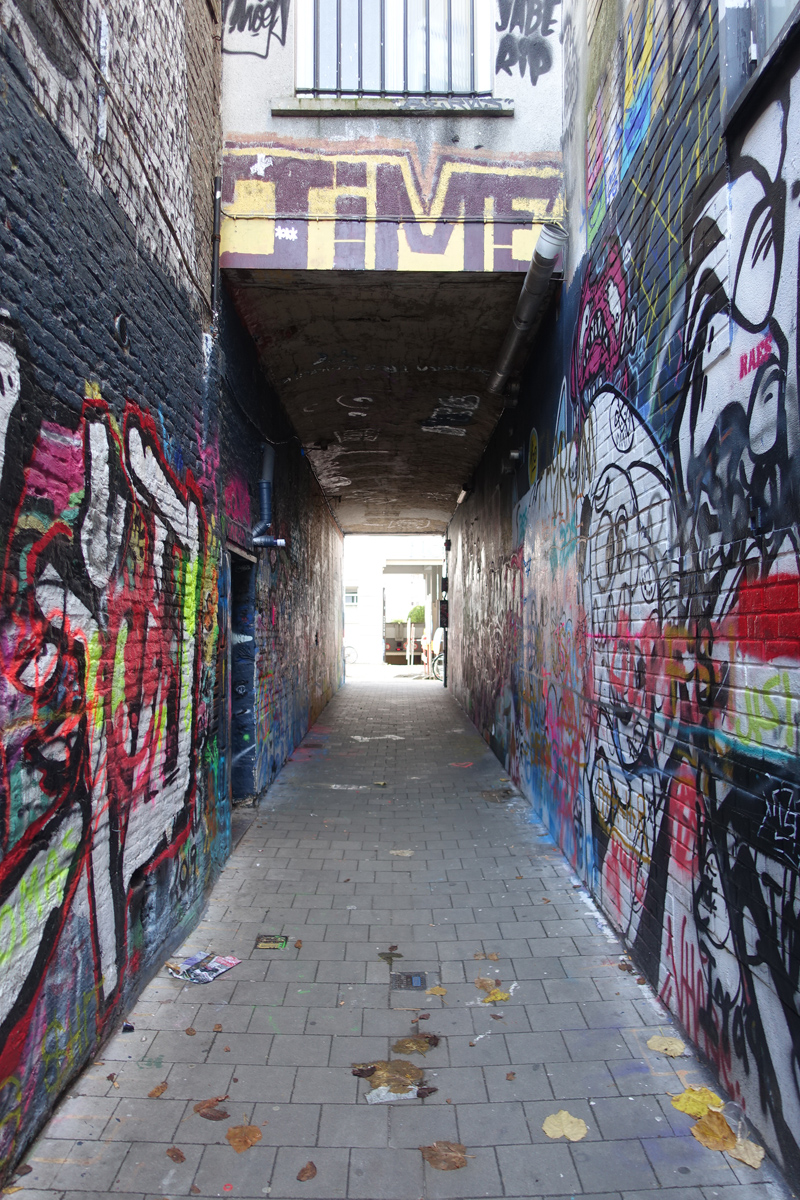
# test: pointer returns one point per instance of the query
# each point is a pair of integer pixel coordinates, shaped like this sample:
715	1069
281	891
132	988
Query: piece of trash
424	1017
671	1046
112	1077
392	950
486	984
748	1152
158	1090
210	1109
402	853
496	996
127	1028
518	877
202	968
271	941
399	1076
511	1076
378	783
176	1154
424	1092
385	1095
472	1043
714	1132
696	1102
242	1137
307	1172
298	944
25	1169
217	1028
446	1156
563	1124
363	1072
190	1032
194	1190
436	991
416	1045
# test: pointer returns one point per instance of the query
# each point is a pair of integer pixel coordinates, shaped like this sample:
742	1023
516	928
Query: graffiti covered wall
122	454
625	604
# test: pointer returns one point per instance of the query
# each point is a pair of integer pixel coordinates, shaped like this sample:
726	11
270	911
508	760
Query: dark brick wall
625	603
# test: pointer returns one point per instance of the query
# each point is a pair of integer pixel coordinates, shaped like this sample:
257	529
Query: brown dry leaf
750	1153
194	1189
158	1090
307	1172
496	1016
512	1075
486	984
641	979
226	1049
210	1109
190	1032
494	957
671	1046
242	1137
392	950
398	1075
445	1156
111	1077
298	944
436	991
545	900
496	997
563	1124
25	1169
217	1029
696	1102
714	1132
416	1045
424	1017
480	954
424	1092
176	1155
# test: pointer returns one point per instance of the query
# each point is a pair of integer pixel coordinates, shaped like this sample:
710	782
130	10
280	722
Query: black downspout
215	240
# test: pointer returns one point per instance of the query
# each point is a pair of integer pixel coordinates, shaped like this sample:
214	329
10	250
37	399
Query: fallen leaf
242	1137
9	1191
399	1075
363	1072
626	966
511	1076
496	997
545	900
190	1032
472	1043
392	949
175	1154
518	877
210	1109
750	1153
485	983
480	954
307	1172
25	1169
714	1132
436	991
158	1090
111	1077
416	1045
424	1092
402	853
641	979
563	1124
496	1016
298	944
697	1101
445	1156
424	1017
347	880
671	1046
494	957
194	1189
217	1029
226	1049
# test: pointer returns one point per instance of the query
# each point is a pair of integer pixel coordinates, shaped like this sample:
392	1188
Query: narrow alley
392	831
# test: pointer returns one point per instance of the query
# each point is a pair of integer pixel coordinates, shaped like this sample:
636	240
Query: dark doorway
243	665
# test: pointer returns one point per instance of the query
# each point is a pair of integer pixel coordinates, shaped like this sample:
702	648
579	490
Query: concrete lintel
369	106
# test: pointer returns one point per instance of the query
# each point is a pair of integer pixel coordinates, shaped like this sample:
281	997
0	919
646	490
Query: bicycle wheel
438	666
350	654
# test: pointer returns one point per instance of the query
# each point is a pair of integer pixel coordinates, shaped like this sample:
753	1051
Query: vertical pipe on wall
405	45
427	47
472	46
449	47
338	47
360	47
215	239
383	46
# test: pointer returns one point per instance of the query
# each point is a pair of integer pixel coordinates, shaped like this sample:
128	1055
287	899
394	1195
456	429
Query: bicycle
437	666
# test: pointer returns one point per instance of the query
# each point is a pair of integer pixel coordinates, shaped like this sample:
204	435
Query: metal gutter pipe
549	245
215	242
261	536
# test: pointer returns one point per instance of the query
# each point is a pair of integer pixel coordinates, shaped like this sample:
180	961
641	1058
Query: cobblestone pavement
392	767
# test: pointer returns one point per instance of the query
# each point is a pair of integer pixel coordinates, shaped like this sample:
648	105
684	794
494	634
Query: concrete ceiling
383	376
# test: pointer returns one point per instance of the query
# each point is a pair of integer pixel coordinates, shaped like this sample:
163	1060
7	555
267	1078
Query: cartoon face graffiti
606	329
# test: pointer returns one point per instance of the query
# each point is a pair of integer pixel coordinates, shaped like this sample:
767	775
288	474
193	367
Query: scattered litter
424	1017
210	1109
112	1078
563	1124
748	1152
307	1172
201	968
401	1077
402	853
436	991
176	1154
496	996
486	984
271	941
511	1076
671	1046
378	737
379	783
714	1132
697	1101
497	795
424	1092
416	1045
190	1032
242	1137
446	1156
217	1028
298	944
385	1095
158	1090
126	1028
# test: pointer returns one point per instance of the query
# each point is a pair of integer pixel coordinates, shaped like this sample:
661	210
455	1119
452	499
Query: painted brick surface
125	472
625	604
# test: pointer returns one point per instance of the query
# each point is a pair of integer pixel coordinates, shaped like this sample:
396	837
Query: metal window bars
394	47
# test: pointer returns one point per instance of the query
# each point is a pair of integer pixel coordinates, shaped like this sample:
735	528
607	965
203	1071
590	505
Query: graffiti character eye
757	267
37	667
614	303
584	324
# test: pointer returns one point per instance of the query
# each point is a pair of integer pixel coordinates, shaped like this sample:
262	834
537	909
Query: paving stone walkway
392	767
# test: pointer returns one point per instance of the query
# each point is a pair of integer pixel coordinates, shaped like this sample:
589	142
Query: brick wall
625	604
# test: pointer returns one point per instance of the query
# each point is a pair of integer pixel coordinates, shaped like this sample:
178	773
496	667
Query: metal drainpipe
550	243
261	537
215	240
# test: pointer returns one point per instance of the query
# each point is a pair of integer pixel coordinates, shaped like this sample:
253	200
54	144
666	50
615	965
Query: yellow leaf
714	1132
436	991
157	1091
496	997
9	1191
563	1124
697	1101
748	1152
242	1137
671	1046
